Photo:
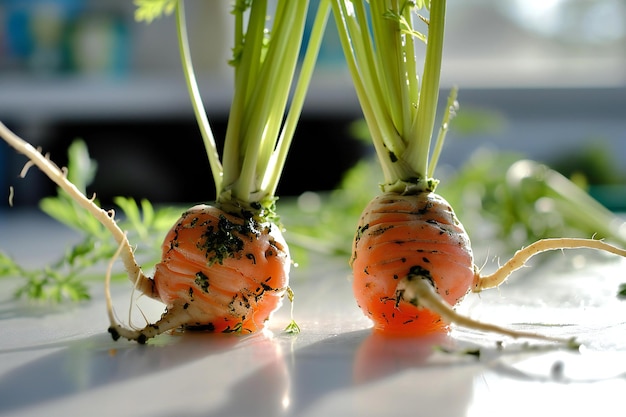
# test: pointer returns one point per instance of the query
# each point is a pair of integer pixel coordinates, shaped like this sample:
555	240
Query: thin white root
175	317
26	167
522	256
171	319
145	284
107	287
419	291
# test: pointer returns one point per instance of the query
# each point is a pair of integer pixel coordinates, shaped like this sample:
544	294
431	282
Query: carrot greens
265	109
399	105
148	10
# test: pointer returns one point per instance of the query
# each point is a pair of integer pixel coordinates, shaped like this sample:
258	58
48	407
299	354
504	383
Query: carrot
219	273
405	235
411	258
225	266
249	273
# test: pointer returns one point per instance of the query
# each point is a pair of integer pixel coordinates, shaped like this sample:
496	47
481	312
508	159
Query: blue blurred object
35	30
612	196
57	36
98	43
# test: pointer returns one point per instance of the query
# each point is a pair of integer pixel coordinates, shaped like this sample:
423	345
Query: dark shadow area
165	160
337	364
97	361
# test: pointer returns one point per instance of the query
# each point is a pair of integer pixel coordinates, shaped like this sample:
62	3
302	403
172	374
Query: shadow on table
342	363
366	374
81	365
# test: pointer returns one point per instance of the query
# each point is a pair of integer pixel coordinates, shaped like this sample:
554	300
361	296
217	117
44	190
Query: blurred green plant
517	201
65	278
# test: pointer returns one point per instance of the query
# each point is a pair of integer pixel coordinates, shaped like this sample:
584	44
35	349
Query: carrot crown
380	42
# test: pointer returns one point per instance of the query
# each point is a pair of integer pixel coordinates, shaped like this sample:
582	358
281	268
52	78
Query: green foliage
51	283
144	221
505	198
477	121
592	164
149	10
292	327
325	222
621	293
65	279
81	171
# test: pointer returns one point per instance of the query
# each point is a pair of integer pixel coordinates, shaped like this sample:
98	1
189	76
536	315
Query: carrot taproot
400	235
412	263
411	258
249	274
219	272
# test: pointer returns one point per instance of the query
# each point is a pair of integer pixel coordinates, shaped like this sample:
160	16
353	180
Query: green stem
196	99
246	64
412	76
270	97
358	49
443	130
389	61
418	149
306	72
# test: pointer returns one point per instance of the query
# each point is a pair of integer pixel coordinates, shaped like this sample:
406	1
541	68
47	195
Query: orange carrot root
399	235
219	272
222	271
412	263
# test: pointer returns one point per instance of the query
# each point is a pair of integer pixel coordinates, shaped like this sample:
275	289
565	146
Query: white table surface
58	361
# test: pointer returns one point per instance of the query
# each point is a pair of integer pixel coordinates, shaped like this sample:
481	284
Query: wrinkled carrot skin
231	291
396	236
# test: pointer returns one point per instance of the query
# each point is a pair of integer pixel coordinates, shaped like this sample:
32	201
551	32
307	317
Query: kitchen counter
60	360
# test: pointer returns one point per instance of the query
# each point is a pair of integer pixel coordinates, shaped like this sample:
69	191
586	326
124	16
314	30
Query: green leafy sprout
66	278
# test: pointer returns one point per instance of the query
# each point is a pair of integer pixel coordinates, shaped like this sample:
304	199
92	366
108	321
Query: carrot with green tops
225	266
411	258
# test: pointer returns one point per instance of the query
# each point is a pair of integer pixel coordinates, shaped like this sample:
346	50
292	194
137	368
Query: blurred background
542	78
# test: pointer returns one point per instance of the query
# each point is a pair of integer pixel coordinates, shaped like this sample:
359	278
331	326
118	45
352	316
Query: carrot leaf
149	10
